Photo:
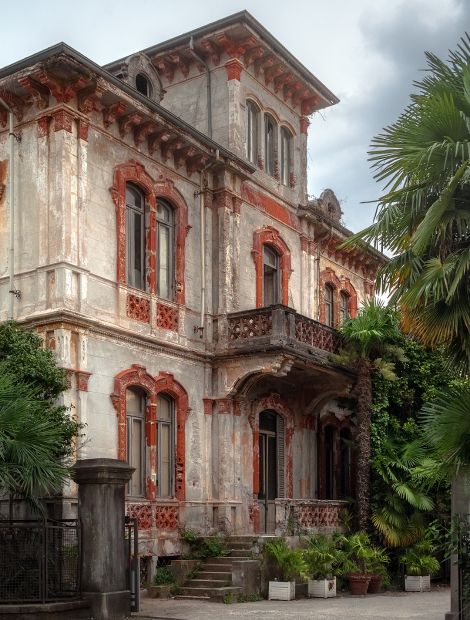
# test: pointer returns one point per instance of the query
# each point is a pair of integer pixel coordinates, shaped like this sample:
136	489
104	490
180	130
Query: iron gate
39	560
464	567
132	555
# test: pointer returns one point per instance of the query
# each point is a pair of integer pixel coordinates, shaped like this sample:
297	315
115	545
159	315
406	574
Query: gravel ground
394	606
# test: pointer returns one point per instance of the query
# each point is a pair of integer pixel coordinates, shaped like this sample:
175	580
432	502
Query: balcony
280	327
307	516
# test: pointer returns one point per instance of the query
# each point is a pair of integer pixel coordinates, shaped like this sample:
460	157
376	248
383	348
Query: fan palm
423	219
370	345
29	437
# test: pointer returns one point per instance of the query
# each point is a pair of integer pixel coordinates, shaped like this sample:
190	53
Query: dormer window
252	115
269	143
286	139
142	84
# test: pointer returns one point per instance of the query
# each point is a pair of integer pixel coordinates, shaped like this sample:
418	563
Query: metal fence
39	561
131	535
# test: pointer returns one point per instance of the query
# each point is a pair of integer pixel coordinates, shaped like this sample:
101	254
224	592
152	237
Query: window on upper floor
142	84
343	307
286	157
271	288
165	249
252	116
135	414
165	445
270	128
135	237
329	305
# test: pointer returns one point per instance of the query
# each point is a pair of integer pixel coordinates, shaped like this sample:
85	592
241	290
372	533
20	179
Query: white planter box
322	588
281	590
415	583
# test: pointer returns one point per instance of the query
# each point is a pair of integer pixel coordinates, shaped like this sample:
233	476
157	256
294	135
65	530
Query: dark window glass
329	308
344	307
135	412
251	132
269	457
270	277
142	84
135	236
165	249
269	144
285	156
165	445
345	473
330	441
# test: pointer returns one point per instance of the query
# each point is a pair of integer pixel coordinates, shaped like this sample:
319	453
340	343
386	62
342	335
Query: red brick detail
138	308
328	276
143	514
37	92
43	126
270	236
234	69
112	112
62	90
3	117
207	404
304	124
309	104
269	206
63	120
165	382
276	403
82	377
167	317
167	517
3	177
311	515
83	127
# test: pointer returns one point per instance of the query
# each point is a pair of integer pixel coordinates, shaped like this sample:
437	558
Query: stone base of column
109	605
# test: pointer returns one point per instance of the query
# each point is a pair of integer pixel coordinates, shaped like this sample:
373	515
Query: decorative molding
270	236
138	308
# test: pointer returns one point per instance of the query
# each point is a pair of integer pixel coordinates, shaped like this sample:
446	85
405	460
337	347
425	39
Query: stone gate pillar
101	505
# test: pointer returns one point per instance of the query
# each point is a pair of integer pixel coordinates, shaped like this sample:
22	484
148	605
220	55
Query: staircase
214	579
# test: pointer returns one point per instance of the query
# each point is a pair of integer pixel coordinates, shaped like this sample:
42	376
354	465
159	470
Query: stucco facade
213	347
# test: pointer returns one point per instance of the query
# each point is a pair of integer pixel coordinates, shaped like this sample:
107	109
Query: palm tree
423	219
370	343
29	437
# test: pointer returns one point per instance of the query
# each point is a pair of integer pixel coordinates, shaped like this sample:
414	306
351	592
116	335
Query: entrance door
271	467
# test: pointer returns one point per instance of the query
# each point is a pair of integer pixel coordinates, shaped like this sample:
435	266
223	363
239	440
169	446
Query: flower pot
281	590
322	588
417	583
358	582
158	591
375	584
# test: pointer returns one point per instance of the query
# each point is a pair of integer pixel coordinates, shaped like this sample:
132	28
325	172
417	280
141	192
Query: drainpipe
200	59
202	216
11	199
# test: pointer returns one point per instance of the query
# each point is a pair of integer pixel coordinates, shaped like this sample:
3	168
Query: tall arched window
269	143
165	445
329	305
271	288
343	307
135	236
165	249
252	115
135	413
142	84
286	164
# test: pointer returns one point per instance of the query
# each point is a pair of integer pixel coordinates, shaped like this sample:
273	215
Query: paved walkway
396	606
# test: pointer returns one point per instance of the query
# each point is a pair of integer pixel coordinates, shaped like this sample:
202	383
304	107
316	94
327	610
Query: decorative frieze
167	317
138	308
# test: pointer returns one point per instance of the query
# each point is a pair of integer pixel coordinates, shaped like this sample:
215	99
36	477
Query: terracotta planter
358	583
375	584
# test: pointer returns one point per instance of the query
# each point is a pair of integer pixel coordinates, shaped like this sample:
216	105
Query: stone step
206	583
194	598
240	554
247	546
217	566
217	593
228	559
209	574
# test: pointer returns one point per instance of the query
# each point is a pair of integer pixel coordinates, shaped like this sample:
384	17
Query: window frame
277	275
130	417
286	156
270	149
329	303
172	447
171	257
252	131
131	211
344	311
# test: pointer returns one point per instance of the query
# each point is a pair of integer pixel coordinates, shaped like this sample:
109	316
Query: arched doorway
271	467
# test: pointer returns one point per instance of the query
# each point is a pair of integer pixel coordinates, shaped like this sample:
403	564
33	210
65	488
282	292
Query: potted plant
357	561
288	564
420	563
322	558
378	561
162	583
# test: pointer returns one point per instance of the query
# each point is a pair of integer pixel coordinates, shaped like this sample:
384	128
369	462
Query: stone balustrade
297	516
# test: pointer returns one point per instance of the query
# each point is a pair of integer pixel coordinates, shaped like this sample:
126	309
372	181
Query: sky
368	52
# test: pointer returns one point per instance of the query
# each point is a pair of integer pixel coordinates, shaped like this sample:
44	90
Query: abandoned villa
165	248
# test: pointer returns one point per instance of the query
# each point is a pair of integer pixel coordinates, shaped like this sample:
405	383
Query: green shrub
163	576
289	562
322	556
419	559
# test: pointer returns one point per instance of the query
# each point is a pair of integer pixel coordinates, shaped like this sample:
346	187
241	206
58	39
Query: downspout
202	217
11	199
200	59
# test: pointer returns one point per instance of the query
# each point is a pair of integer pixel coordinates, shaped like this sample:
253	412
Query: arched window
165	249
329	305
269	144
286	163
343	307
135	236
252	115
135	413
330	451
271	466
271	286
142	84
165	445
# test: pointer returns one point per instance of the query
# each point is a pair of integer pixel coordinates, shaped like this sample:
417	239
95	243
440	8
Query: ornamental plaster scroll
239	377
